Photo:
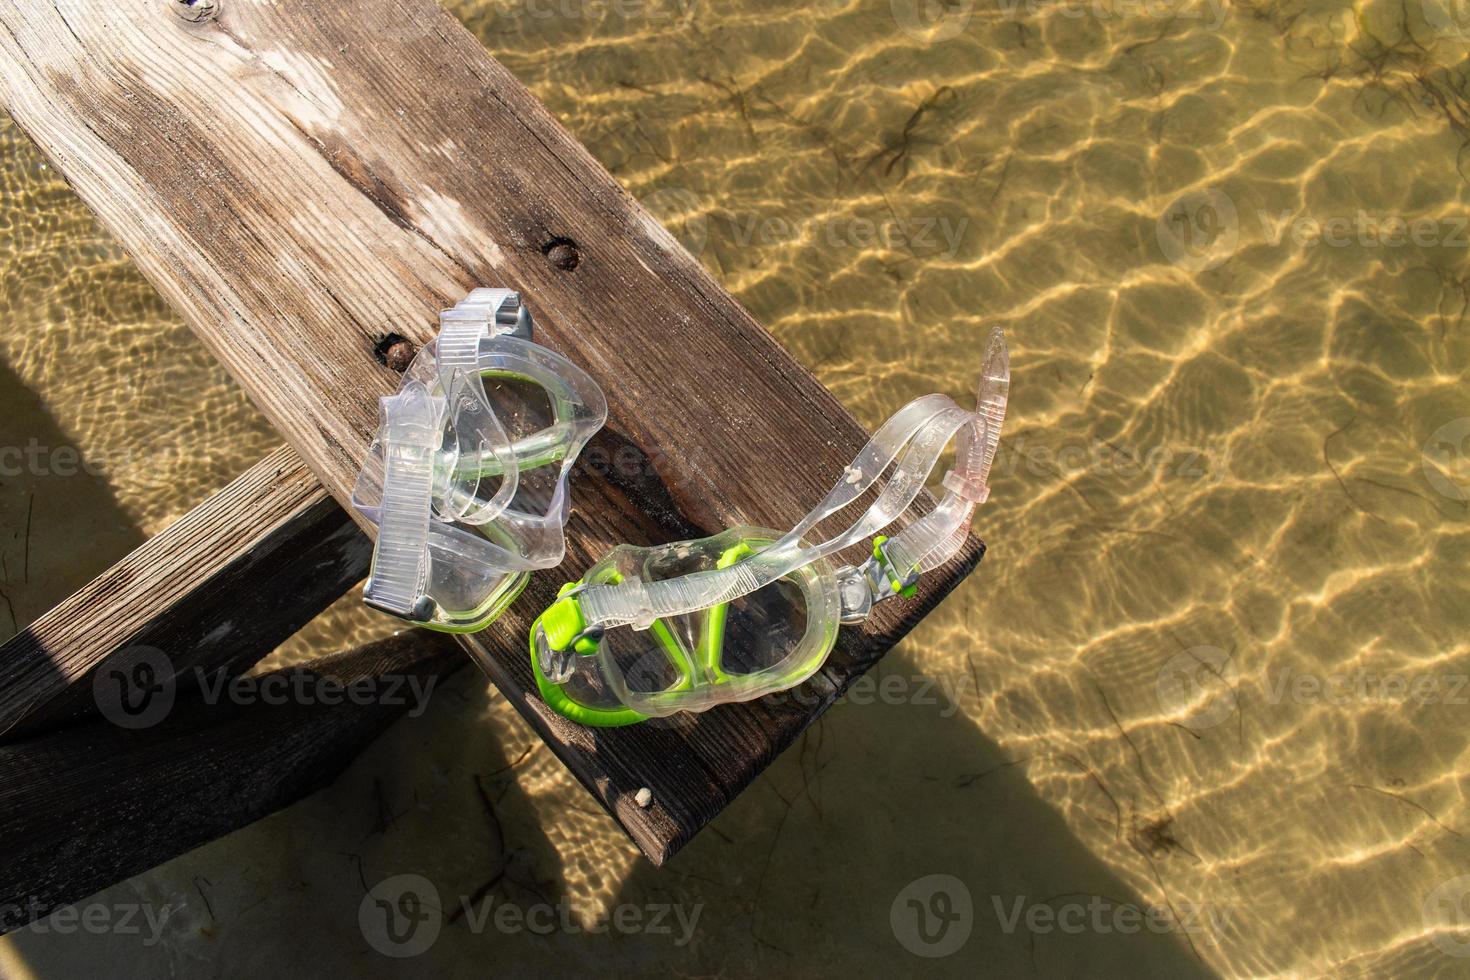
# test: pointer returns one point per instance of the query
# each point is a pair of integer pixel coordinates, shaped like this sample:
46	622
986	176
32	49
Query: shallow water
1214	664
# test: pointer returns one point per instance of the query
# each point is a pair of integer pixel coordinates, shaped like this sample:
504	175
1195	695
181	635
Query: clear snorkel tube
682	595
461	520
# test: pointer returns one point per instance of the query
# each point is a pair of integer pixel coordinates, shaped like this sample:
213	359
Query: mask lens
649	661
589	685
761	630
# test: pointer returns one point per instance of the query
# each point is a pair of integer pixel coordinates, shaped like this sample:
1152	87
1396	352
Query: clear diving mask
467	478
751	611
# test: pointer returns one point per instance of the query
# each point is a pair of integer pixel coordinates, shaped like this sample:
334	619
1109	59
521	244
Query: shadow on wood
92	804
221	587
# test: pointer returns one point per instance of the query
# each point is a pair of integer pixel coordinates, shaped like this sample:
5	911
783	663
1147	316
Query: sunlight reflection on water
1216	657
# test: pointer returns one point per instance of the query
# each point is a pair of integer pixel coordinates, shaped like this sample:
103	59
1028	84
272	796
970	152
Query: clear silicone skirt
545	409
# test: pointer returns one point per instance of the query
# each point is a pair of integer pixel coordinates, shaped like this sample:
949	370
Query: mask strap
934	538
425	437
410	434
915	436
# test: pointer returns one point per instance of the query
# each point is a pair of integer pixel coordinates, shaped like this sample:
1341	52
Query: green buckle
565	625
907	585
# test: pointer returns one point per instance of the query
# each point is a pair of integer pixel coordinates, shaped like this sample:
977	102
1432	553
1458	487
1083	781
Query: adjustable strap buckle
873	581
884	580
562	633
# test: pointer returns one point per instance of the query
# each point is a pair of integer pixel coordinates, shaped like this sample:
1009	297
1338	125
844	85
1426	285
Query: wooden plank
219	588
92	804
299	179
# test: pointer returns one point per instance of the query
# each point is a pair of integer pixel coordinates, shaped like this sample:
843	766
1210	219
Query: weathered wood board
219	588
300	179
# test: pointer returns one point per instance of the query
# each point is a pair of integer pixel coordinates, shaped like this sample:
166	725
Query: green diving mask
467	478
649	632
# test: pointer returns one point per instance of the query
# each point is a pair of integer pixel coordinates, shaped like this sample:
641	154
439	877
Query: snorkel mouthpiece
750	612
448	479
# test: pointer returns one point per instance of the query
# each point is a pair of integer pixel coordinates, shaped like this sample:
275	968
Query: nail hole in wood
394	350
563	253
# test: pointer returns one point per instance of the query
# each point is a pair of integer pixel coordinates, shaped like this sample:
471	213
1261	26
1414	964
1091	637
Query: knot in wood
197	11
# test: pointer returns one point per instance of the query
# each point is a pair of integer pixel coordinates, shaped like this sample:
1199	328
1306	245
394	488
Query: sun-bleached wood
300	179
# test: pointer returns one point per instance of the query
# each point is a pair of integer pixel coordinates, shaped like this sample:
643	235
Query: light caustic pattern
1214	663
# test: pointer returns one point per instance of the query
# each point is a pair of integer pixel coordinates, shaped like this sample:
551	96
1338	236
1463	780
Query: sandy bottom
1201	712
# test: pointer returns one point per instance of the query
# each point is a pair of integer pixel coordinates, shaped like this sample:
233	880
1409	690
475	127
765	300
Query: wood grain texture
219	588
92	804
299	179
